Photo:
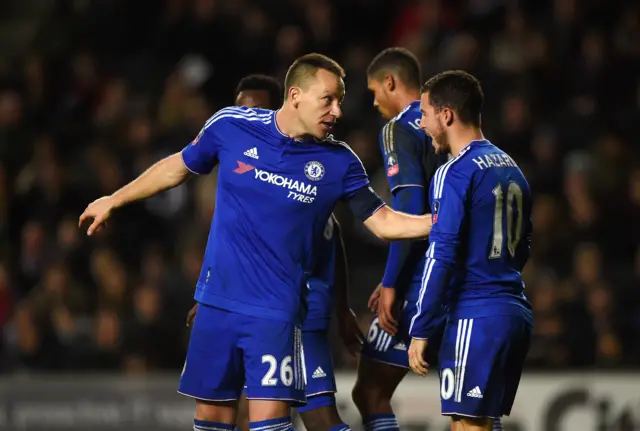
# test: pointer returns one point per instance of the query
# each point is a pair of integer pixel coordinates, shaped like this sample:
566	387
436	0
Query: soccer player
327	280
479	243
394	79
280	176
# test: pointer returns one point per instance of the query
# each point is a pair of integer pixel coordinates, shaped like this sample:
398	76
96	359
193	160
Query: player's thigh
213	369
318	366
242	418
273	363
459	423
216	411
472	362
375	385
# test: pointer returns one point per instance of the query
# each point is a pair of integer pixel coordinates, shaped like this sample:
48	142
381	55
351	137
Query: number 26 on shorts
286	371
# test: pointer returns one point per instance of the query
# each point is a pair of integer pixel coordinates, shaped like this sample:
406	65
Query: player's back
496	232
410	161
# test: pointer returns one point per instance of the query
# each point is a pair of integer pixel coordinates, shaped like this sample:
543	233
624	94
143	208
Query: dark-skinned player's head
450	100
314	89
259	91
392	71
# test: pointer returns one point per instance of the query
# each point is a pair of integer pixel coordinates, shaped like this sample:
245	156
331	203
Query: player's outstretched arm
366	205
388	224
165	174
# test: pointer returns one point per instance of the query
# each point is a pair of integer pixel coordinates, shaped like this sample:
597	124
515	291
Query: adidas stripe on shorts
481	363
318	366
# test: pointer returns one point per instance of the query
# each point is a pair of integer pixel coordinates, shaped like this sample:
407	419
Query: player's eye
328	99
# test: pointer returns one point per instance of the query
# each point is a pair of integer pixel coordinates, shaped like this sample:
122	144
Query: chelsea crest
314	170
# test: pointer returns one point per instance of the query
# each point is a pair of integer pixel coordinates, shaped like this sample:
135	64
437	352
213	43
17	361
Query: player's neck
462	137
287	122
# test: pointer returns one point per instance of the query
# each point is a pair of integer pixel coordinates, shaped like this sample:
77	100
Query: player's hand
416	352
374	298
350	332
191	315
99	210
386	311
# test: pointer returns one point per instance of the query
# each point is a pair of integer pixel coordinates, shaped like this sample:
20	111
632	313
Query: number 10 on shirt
502	212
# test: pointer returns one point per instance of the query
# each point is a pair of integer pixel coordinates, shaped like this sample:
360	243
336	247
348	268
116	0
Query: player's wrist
116	201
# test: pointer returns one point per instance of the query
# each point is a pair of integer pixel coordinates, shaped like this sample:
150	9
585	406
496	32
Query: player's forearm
163	175
398	253
393	225
432	301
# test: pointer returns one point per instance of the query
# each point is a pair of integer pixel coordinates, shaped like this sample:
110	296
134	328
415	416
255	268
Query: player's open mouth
328	124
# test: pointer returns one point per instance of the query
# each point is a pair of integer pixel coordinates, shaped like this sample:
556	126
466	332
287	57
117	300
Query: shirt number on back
286	371
514	192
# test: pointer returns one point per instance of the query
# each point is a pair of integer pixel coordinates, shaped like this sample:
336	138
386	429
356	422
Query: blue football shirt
274	197
410	161
480	239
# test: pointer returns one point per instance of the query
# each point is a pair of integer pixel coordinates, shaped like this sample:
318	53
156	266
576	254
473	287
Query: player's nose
336	111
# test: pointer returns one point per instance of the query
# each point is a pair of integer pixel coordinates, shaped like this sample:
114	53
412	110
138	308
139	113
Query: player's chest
296	178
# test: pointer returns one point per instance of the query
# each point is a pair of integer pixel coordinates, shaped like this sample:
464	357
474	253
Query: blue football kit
410	163
479	243
316	352
274	197
319	370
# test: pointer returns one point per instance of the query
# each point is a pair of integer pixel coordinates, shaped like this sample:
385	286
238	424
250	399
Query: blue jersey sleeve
355	177
449	204
402	151
362	199
201	155
409	200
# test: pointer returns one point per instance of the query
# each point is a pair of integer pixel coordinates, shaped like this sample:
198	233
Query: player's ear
294	95
389	82
448	116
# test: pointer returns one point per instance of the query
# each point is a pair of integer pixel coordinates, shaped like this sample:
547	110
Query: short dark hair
306	67
459	91
266	83
398	61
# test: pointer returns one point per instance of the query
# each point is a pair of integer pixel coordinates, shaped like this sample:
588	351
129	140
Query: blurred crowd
109	87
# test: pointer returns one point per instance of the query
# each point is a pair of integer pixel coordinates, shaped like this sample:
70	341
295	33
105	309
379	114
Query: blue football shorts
229	350
480	364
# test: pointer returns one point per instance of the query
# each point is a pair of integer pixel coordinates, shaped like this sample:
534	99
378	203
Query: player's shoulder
241	115
455	168
483	155
404	127
409	117
337	146
340	153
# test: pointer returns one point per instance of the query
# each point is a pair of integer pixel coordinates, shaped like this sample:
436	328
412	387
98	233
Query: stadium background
93	92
